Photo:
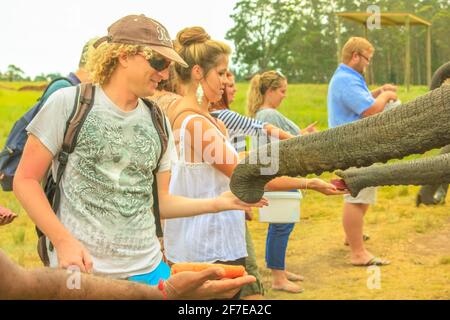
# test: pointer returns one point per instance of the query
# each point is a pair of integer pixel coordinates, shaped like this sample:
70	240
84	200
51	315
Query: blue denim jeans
276	244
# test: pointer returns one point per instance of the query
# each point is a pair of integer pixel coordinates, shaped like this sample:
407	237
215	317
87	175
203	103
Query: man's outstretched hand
206	284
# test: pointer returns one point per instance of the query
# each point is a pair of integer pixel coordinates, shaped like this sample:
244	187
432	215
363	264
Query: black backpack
83	104
12	152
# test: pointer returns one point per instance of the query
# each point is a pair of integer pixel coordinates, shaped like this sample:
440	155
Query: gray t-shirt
106	189
277	119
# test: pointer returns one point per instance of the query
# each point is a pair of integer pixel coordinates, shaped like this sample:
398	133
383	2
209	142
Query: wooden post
368	75
339	46
408	54
429	56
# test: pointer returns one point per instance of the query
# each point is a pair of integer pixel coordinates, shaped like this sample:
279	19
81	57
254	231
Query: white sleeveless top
208	237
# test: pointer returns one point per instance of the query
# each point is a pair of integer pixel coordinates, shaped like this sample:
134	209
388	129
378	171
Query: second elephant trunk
417	172
433	193
415	127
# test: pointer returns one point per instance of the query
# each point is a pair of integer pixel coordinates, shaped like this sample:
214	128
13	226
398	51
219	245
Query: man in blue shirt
349	99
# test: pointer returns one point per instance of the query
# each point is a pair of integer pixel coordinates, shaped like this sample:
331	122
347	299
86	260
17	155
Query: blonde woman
211	238
207	159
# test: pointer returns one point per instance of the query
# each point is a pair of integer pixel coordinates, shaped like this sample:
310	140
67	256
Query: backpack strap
41	98
83	104
54	81
160	123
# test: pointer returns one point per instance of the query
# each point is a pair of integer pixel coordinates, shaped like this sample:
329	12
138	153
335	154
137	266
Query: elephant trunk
415	127
432	193
417	172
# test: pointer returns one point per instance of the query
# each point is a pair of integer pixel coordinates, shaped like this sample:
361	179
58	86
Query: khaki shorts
365	196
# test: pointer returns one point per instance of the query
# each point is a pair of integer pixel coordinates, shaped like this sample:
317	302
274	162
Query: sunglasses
367	59
158	62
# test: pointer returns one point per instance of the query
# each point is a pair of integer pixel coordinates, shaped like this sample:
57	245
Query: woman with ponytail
265	95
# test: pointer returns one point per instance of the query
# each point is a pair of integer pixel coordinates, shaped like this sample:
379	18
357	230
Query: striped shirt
238	127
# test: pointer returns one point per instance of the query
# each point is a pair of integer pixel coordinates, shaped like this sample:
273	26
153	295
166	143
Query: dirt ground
416	240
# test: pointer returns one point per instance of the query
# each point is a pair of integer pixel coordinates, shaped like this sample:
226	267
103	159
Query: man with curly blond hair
104	222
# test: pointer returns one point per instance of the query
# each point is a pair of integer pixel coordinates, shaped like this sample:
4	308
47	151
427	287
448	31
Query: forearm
54	285
39	209
10	273
380	103
46	283
277	132
178	207
304	131
286	184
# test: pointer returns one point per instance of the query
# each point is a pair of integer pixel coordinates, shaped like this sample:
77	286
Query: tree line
299	38
15	73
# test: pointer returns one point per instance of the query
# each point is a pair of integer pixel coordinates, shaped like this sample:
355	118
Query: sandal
375	261
294	277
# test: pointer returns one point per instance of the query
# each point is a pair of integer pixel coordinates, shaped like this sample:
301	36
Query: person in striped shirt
240	126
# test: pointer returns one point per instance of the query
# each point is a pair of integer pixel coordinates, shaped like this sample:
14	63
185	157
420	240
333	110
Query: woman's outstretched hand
6	216
324	187
228	201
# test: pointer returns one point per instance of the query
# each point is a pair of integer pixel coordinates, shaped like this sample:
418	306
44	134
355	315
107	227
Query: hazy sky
48	35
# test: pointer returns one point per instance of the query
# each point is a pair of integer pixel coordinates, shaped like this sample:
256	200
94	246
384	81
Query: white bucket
284	207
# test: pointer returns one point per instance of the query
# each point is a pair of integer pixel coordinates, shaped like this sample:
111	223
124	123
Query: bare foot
287	286
294	277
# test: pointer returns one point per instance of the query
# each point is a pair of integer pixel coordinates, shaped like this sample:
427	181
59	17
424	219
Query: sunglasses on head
158	62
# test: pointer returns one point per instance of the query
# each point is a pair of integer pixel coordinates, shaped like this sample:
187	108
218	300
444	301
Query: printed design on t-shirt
108	182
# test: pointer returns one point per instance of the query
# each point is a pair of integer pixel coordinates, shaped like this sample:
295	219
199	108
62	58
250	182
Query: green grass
416	240
13	104
306	103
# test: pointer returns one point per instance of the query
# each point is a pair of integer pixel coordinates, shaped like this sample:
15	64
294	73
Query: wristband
162	289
